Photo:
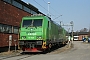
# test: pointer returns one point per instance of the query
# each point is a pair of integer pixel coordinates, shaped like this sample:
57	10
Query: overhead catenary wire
51	7
47	10
42	6
53	10
57	17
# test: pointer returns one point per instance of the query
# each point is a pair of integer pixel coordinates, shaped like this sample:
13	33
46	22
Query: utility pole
48	9
10	41
72	30
71	24
60	23
15	45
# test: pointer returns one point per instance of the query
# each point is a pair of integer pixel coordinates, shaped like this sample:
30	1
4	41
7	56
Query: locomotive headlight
39	37
23	37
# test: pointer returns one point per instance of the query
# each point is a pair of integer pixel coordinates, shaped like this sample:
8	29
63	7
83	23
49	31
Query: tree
84	30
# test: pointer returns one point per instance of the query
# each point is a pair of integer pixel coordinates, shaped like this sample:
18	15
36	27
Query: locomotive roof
40	15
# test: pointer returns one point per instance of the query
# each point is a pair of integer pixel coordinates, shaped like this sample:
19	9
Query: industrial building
78	36
11	13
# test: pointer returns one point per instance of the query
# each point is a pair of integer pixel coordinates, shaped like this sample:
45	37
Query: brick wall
80	36
10	15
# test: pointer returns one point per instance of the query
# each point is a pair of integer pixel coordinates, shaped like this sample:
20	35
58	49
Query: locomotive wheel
50	45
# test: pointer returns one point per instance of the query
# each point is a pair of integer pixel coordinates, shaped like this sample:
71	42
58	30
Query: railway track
17	57
21	56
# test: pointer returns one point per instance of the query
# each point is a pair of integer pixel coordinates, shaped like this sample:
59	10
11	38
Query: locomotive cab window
32	23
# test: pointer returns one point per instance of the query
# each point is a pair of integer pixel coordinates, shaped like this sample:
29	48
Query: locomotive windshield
32	23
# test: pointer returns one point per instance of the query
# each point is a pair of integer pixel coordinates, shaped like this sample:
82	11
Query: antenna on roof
28	3
37	15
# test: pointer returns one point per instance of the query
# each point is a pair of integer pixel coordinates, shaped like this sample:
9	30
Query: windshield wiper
31	25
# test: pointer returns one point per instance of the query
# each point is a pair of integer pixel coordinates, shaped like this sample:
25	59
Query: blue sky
77	11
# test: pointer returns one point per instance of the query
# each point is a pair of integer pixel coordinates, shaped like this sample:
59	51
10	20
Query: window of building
17	4
9	29
0	27
33	12
26	9
15	30
5	28
8	1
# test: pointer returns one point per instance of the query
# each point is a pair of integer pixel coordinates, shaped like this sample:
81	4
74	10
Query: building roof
28	5
79	33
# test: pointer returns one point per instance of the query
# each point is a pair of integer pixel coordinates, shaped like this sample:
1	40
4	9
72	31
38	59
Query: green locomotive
38	33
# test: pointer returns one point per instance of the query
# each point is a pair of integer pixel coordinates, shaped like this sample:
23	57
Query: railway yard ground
77	51
10	53
53	51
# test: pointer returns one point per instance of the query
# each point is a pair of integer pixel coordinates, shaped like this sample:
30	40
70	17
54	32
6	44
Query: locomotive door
49	29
